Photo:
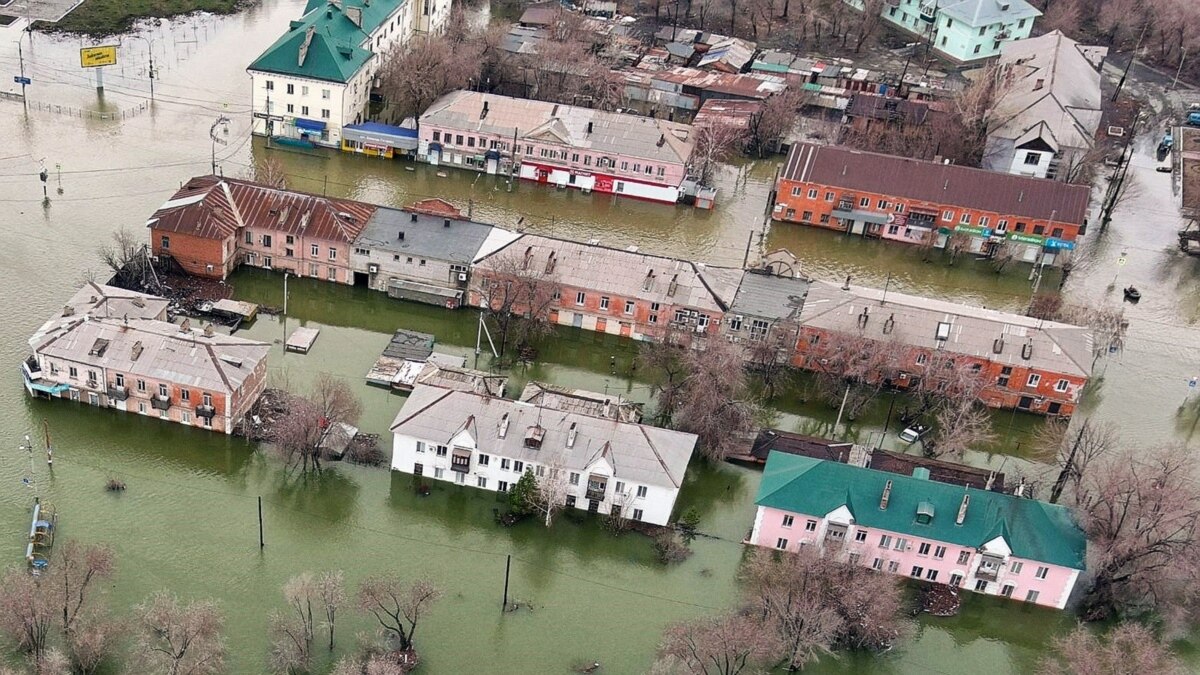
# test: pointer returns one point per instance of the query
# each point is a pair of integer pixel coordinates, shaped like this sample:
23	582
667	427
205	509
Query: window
142	408
885	540
864	202
823	219
923	549
249	237
266	240
939	552
854	558
574	478
1032	158
893	566
922	358
981	586
1002	225
270	85
1042	572
481	482
1039	229
787	520
206	400
420	446
315	250
860	535
931	575
1020	226
540	470
781	543
325	113
901	544
332	253
162	390
441	450
641	491
1034	379
438	473
976	50
917	571
899	208
304	90
484	459
325	93
965	219
620	487
629	306
580	297
505	464
185	417
637	167
983	221
810	526
812	193
518	466
1007	590
185	394
291	88
829	196
120	380
332	274
1031	596
1061	386
604	302
1021	23
947	216
1056	232
637	513
955	580
807	216
963	557
166	242
877	564
1015	568
502	486
304	110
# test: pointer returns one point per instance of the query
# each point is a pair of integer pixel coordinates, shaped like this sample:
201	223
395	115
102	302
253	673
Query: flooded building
213	224
927	203
608	290
115	348
317	77
560	145
961	30
1048	108
565	399
978	540
598	464
1028	364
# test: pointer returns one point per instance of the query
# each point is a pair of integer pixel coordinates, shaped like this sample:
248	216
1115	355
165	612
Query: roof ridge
658	455
427	406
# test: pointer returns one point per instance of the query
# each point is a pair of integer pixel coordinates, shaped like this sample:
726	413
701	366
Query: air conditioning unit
373	268
462	276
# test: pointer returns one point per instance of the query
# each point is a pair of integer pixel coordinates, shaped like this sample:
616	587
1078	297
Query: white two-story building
962	30
487	442
317	77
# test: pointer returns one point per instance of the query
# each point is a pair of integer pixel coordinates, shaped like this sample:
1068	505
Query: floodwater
188	519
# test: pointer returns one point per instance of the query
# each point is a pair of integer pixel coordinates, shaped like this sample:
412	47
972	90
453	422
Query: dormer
571	435
534	436
503	430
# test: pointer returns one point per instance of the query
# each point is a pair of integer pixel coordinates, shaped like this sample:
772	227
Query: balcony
205	411
160	402
116	393
31	369
929	11
595	494
460	462
987	575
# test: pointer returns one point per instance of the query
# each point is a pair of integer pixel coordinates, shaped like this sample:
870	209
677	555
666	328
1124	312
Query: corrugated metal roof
770	297
946	184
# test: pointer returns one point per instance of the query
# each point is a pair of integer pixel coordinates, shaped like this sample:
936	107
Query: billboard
94	57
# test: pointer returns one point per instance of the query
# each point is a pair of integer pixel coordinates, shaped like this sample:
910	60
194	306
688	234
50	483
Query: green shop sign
1026	238
972	229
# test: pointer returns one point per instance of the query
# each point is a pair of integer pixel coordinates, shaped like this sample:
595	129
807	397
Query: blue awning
381	135
435	147
310	125
491	154
50	389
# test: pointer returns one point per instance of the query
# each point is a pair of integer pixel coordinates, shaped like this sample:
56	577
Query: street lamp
222	122
150	50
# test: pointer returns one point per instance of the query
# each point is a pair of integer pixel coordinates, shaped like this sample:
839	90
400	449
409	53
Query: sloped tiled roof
327	43
1033	530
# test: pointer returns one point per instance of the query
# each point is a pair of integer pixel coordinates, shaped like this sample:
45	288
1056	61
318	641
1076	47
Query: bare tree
297	435
1076	451
27	613
663	361
867	22
776	119
179	639
817	605
331	591
715	142
416	74
768	354
93	639
74	572
715	400
853	369
268	171
1128	648
725	645
126	257
1108	323
290	648
399	607
516	293
960	425
956	244
1141	515
335	400
552	489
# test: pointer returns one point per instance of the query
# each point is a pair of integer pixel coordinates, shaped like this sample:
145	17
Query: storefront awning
381	135
50	388
309	125
426	293
861	216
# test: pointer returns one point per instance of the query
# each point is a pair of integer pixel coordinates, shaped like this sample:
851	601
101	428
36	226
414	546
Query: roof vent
550	262
400	235
924	511
589	128
136	351
962	510
484	113
446	222
413	217
662	139
673	286
185	326
503	426
846	284
68	310
887	494
571	436
231	360
99	347
920	473
649	281
534	436
1027	350
889	324
208	330
862	318
998	346
355	15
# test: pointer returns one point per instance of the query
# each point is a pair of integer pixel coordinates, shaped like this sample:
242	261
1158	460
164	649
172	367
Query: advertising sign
94	57
1026	238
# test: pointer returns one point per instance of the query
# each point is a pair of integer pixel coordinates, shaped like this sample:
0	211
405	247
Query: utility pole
222	121
1179	70
1068	467
507	567
24	80
1132	56
261	542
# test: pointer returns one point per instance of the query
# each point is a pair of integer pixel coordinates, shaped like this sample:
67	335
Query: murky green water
188	519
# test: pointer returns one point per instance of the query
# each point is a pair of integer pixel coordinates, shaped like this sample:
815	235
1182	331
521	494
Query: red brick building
213	224
609	290
1032	365
921	202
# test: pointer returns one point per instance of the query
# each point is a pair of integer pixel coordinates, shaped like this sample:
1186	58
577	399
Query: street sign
22	80
94	57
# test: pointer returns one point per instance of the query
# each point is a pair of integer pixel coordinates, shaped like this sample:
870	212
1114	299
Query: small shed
235	309
301	340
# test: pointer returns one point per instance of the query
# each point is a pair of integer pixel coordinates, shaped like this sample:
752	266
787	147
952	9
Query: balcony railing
987	575
206	411
595	494
160	402
118	393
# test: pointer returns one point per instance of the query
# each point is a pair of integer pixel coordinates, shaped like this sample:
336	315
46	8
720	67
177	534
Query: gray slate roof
637	453
1057	347
986	12
409	344
100	300
427	237
771	297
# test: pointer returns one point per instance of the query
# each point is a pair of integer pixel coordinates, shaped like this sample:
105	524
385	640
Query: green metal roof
1033	530
334	53
769	67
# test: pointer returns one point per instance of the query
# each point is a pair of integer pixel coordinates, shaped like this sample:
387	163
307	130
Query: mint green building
962	30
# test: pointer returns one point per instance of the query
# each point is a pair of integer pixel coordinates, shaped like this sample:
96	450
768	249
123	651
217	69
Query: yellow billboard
94	57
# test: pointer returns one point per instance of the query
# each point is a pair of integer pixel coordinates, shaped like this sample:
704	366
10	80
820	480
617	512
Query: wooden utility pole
1068	467
261	541
507	568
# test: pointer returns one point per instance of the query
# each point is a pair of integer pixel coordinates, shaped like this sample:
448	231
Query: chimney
414	217
446	222
1021	197
887	494
589	128
962	510
185	326
571	436
504	425
846	285
1039	84
990	480
400	236
937	159
68	310
136	351
208	330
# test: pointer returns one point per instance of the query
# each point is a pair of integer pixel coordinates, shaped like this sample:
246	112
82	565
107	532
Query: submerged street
188	521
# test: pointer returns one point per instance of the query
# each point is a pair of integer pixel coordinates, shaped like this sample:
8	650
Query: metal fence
85	113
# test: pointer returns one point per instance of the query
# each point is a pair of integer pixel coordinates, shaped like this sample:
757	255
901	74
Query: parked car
914	433
1193	118
1163	169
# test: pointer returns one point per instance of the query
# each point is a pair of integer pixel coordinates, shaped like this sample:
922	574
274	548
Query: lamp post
149	49
222	121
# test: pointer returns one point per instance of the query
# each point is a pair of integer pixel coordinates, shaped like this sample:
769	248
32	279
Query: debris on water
588	667
114	485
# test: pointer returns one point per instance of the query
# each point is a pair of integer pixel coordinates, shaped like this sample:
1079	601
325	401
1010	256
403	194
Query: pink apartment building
561	145
987	542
